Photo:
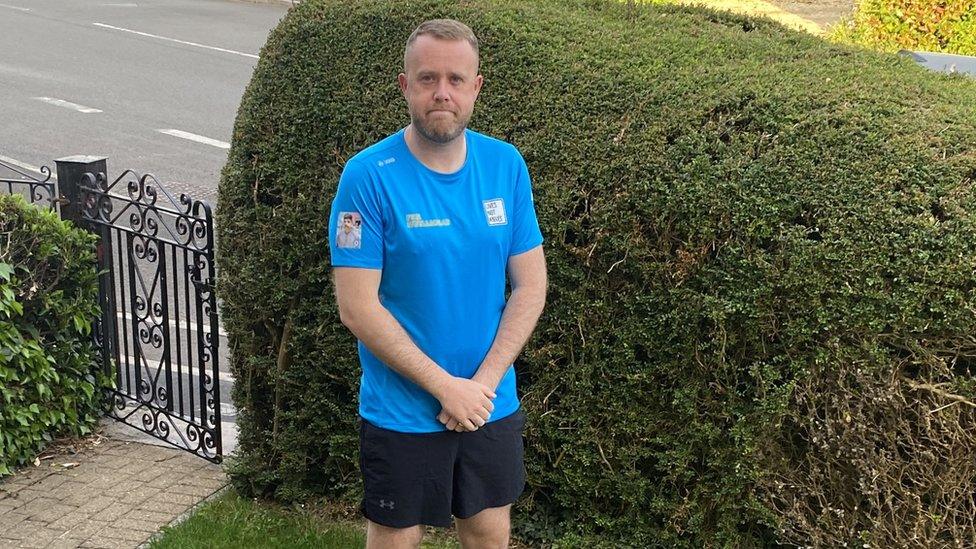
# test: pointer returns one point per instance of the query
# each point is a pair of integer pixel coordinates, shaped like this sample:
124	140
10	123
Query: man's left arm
527	275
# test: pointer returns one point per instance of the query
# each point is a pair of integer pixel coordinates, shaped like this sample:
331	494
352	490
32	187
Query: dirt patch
822	12
813	16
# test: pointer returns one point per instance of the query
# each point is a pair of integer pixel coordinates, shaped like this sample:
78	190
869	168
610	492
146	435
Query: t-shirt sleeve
525	226
356	221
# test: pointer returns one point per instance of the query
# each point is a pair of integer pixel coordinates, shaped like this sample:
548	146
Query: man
349	233
444	213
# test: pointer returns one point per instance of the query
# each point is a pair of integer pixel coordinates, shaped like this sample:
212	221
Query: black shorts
424	478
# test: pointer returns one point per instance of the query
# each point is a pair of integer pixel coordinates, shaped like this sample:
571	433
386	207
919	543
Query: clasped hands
465	404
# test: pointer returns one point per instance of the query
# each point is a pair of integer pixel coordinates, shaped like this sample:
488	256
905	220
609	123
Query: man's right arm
360	310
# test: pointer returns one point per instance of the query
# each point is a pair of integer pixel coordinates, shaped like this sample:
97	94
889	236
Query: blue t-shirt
443	243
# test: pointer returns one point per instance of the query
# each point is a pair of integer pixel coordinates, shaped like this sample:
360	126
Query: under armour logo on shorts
386	504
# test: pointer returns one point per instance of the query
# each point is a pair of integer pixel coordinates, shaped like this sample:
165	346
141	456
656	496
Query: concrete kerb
281	2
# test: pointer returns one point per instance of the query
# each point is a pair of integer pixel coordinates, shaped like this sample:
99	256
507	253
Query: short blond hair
444	29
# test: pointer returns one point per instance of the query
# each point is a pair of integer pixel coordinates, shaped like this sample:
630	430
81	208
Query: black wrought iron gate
158	334
18	180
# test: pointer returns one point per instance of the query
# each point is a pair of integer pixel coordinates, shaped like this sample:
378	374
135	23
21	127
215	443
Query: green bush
761	251
925	25
50	381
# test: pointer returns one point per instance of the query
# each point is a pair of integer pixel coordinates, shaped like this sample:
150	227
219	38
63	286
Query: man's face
347	224
441	83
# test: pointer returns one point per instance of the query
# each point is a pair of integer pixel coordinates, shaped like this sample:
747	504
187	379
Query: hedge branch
936	390
281	367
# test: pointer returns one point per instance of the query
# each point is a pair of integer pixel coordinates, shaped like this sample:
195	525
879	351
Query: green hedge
761	251
925	25
49	378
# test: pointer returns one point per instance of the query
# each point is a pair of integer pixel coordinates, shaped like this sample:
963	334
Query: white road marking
121	5
18	70
24	165
14	7
68	105
193	325
197	138
132	361
103	25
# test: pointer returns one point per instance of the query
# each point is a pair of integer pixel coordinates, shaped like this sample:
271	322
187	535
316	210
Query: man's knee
383	537
483	538
489	529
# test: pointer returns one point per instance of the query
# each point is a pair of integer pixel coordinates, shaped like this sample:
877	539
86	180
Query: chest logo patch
416	221
495	211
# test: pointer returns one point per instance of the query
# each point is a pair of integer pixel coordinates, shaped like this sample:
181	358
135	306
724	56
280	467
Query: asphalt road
153	85
179	66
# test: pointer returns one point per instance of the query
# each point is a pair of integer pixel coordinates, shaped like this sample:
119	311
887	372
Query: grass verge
234	522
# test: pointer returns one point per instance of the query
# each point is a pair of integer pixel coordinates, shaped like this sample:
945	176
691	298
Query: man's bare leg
489	529
384	537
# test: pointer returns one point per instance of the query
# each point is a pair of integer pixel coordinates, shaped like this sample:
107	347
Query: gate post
71	172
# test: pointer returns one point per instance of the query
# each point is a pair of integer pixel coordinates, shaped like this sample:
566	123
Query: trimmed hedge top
742	222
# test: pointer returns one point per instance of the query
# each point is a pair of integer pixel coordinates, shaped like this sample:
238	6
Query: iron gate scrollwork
36	191
159	327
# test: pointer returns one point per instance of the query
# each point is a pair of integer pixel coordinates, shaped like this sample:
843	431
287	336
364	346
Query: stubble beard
438	136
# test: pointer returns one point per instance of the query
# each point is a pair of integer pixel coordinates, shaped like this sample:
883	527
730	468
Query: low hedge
761	251
947	26
50	380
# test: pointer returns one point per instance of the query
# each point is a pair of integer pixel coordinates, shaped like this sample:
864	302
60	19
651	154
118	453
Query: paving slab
103	492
